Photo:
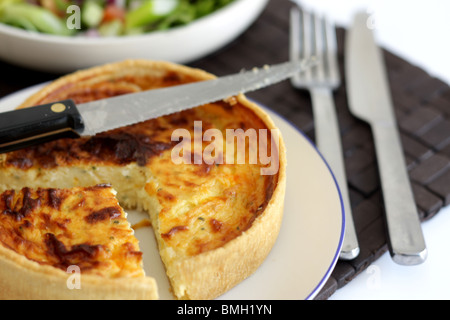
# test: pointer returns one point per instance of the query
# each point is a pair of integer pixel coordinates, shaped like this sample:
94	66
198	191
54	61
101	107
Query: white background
418	31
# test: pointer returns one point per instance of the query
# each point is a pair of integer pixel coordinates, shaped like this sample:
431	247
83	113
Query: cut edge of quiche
216	265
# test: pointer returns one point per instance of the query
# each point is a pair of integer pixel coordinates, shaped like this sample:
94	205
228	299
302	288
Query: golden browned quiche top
242	192
84	227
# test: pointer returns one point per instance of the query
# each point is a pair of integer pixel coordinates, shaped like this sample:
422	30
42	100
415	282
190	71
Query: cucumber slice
111	29
33	18
149	12
91	14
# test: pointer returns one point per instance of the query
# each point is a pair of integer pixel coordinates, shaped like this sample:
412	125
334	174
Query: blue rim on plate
341	239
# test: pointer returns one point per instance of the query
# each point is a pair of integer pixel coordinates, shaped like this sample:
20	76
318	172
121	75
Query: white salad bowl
60	54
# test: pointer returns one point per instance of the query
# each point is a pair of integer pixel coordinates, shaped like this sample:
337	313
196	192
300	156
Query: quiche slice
56	242
214	221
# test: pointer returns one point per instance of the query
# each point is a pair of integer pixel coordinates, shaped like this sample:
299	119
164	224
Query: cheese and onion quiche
48	233
215	223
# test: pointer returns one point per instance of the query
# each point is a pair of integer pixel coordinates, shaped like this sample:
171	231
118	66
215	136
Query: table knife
64	119
370	100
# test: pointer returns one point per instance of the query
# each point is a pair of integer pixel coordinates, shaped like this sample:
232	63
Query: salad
103	18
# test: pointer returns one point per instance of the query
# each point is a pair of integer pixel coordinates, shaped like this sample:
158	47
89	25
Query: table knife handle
406	241
30	126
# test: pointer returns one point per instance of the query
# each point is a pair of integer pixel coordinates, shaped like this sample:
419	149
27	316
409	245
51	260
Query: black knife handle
30	126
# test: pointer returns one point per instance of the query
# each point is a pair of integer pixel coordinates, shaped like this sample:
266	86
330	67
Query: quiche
214	202
47	234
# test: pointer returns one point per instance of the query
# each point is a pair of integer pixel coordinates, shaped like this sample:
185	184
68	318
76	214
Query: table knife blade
370	100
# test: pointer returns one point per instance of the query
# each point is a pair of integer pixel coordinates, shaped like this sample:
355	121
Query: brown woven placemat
422	106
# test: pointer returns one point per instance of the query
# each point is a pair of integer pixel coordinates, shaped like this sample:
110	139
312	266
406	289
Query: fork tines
314	36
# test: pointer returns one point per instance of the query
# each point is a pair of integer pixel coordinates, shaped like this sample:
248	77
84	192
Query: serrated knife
370	100
63	119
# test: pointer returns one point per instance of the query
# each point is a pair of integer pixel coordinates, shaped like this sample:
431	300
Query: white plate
311	235
182	45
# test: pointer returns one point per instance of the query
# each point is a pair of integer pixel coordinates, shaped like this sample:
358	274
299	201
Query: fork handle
329	144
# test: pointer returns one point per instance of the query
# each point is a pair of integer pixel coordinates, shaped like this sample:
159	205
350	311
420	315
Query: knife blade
63	119
370	100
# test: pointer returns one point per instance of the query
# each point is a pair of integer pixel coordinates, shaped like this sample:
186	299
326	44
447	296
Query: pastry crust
235	246
23	279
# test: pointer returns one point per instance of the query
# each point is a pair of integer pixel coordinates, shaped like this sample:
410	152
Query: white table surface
418	31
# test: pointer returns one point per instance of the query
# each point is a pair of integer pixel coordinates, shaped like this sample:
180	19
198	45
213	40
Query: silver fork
315	36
